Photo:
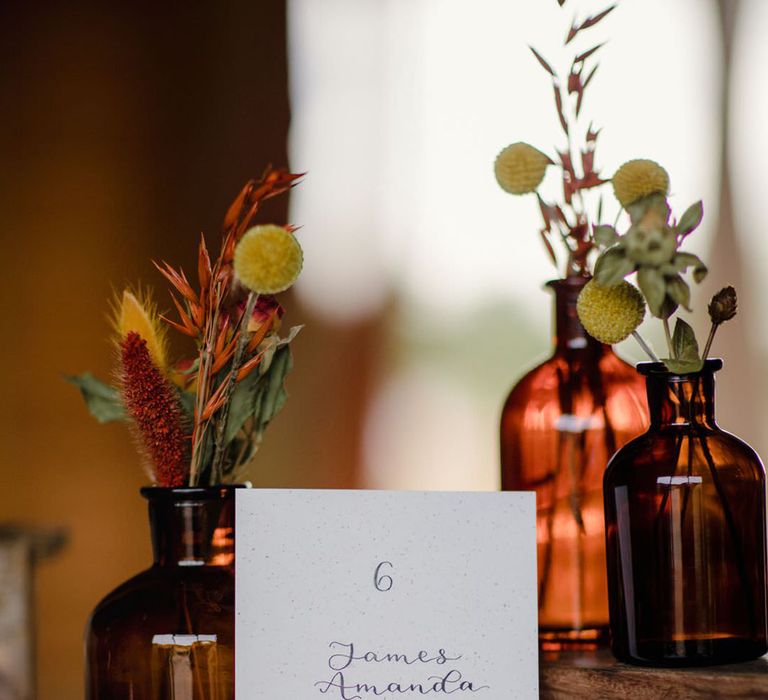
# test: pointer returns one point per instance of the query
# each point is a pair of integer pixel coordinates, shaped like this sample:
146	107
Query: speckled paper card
356	595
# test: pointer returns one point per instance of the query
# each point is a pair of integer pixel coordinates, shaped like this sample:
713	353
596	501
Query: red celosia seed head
153	406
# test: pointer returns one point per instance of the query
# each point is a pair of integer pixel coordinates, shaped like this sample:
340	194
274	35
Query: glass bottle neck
192	526
681	400
570	338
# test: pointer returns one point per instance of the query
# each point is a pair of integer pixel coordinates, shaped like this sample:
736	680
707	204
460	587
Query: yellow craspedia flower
268	259
610	314
520	168
637	179
137	313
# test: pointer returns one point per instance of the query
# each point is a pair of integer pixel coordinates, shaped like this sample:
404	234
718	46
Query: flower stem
645	346
733	530
711	337
237	360
205	361
668	336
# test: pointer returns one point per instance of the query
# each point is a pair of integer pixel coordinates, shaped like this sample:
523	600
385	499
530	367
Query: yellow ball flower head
520	168
268	259
610	314
137	313
637	179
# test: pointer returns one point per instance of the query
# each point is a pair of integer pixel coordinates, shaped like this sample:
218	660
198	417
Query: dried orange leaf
543	63
584	56
559	104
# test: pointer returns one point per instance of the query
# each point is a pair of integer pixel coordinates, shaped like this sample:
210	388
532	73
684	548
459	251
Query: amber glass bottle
168	633
686	533
559	426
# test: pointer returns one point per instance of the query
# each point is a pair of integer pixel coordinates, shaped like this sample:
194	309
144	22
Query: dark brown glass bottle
559	426
686	533
168	633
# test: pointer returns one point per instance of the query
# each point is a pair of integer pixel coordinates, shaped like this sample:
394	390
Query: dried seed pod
723	306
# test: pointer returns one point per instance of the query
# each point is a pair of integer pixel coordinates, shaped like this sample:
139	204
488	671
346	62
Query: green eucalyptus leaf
684	343
691	219
668	307
653	287
275	394
699	273
270	345
638	209
679	291
605	236
103	400
682	261
683	366
187	403
612	267
259	396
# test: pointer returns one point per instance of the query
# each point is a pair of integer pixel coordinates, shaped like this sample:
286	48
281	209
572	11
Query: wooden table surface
596	675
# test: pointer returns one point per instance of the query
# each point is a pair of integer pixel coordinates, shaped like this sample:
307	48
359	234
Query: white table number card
363	595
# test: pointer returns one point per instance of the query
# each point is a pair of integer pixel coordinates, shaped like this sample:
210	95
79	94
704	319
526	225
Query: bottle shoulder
600	380
159	588
665	452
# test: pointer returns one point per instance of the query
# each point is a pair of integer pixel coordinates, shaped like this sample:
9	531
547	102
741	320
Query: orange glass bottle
686	533
559	427
169	632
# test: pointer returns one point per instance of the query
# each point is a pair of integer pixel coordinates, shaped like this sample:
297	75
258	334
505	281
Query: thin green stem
733	530
237	361
711	338
645	346
205	361
668	336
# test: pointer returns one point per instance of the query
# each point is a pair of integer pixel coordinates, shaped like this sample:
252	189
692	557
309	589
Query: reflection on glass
185	667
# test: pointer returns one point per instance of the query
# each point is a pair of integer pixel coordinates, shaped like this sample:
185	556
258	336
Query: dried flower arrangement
610	308
199	421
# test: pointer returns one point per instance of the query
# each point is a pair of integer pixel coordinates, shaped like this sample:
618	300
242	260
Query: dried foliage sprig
227	394
520	168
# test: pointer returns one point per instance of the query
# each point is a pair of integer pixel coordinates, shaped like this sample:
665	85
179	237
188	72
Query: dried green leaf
668	308
103	400
684	343
259	396
691	219
187	403
653	287
612	266
699	273
637	210
683	366
679	291
681	262
605	235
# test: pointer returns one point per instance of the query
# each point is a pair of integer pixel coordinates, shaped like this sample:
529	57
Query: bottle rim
659	368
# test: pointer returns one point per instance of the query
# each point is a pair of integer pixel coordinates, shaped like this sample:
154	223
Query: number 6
383	582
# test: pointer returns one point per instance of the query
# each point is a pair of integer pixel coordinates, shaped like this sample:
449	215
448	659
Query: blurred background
127	128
